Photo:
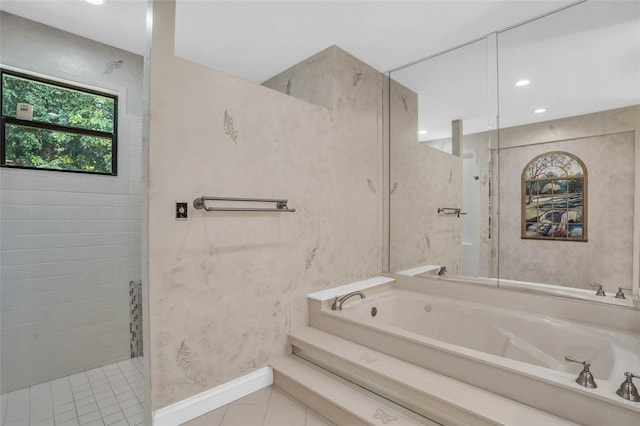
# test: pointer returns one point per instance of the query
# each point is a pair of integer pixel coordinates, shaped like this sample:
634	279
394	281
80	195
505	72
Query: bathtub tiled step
437	397
339	401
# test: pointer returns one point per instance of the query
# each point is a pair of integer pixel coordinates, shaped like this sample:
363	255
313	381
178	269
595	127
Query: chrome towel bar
281	205
450	211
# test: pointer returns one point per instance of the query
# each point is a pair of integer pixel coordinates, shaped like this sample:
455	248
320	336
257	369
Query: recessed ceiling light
540	110
422	132
96	2
521	83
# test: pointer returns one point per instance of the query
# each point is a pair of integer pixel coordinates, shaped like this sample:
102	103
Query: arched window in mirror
554	198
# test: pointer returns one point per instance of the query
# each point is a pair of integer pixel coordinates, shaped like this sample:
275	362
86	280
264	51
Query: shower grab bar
281	205
450	211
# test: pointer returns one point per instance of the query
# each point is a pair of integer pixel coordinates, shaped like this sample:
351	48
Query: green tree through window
73	129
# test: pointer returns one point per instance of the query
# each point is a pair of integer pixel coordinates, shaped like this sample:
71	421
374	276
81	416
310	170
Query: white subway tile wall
70	245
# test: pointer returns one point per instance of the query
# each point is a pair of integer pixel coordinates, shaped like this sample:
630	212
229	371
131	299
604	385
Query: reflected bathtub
519	355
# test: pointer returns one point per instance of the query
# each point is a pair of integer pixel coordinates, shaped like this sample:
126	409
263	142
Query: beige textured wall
225	288
606	257
607	142
422	179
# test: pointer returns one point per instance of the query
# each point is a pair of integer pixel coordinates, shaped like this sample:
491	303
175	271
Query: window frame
4	120
523	203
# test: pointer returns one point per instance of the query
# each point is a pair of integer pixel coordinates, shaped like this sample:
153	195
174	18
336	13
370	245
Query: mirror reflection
563	87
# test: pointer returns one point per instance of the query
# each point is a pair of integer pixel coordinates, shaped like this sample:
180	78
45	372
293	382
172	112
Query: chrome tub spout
337	303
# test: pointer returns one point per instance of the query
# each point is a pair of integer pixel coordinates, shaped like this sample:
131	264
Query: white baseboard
209	400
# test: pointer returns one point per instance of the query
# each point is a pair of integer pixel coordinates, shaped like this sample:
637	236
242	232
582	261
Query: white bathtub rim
353	304
541	289
553	377
330	293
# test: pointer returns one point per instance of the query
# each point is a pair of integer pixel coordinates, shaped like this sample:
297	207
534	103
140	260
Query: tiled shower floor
105	396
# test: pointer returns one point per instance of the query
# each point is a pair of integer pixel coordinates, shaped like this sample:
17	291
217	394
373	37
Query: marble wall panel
422	179
225	288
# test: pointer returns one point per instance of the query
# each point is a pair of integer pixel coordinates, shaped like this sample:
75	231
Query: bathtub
514	353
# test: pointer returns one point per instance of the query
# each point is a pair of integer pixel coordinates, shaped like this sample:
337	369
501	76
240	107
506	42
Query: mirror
568	82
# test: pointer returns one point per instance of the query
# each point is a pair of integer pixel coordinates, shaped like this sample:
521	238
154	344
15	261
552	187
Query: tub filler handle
627	389
585	378
337	303
600	291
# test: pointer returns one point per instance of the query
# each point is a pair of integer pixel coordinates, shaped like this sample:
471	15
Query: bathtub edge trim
348	288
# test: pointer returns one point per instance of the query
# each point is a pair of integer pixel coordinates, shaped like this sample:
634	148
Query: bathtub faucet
442	271
337	303
585	378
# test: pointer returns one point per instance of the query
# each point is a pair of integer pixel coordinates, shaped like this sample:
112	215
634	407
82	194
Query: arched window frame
560	202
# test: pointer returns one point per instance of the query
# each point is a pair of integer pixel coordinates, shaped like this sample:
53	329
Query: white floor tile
90	417
115	408
314	419
86	409
89	400
113	418
259	397
64	408
280	398
94	423
64	417
133	410
72	422
82	399
21	422
136	419
244	415
212	418
285	415
43	422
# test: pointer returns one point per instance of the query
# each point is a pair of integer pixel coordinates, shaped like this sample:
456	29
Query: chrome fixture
447	211
337	303
620	293
442	271
628	389
585	378
600	291
281	205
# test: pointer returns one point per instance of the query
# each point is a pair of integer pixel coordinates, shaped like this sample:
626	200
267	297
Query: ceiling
256	40
579	60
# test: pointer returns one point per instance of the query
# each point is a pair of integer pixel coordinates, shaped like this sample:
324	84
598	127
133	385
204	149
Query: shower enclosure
70	248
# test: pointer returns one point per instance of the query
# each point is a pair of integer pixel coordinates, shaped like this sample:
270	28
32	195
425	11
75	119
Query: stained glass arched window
554	198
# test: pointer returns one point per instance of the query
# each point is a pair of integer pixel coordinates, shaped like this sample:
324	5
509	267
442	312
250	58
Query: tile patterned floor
112	395
267	407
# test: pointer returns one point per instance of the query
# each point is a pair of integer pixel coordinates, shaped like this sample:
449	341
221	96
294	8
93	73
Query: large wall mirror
464	124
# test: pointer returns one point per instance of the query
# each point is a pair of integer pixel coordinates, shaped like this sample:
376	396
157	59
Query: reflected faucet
620	293
337	303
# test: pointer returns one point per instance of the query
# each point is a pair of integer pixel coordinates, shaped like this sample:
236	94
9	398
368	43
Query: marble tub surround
225	288
556	391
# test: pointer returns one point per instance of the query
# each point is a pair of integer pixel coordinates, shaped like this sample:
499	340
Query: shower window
554	192
54	126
